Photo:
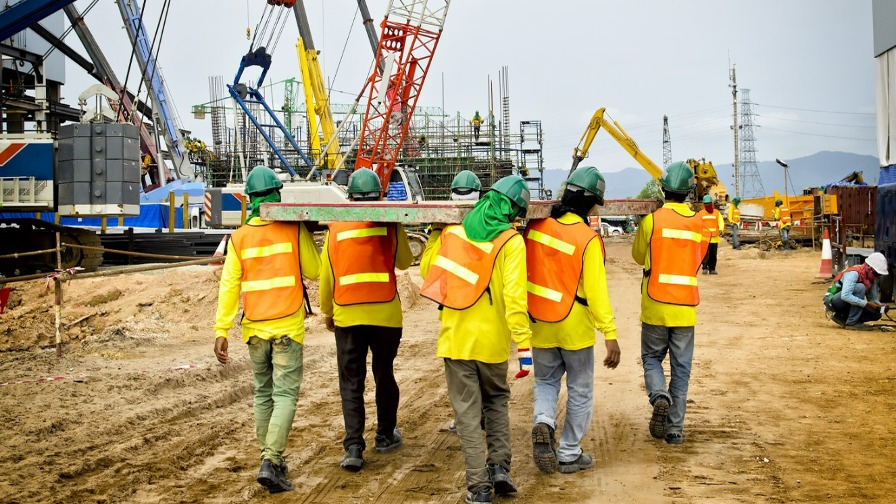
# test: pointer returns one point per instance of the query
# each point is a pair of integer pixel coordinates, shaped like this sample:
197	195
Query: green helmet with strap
707	199
736	201
778	202
679	177
364	182
515	188
262	180
589	179
466	180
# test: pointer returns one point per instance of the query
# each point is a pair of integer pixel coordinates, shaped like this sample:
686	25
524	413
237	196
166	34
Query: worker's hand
221	350
873	305
331	326
613	354
525	358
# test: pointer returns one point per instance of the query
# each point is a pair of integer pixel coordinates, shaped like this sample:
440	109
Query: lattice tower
752	181
667	143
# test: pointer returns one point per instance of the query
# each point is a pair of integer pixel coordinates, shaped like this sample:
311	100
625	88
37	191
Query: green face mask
491	216
256	202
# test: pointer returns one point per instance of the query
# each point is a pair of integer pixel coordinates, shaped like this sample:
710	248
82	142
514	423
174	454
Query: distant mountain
818	169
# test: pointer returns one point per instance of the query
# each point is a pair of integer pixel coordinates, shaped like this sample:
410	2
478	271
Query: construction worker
476	271
734	221
266	262
670	244
854	295
782	217
477	123
568	299
714	222
360	304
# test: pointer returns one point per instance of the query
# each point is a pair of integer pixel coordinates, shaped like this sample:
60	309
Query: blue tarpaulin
153	216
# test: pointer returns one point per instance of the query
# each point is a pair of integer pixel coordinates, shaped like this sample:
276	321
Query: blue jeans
656	341
550	364
734	242
853	313
277	375
785	236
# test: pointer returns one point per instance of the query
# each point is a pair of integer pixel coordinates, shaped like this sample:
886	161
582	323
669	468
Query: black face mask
577	202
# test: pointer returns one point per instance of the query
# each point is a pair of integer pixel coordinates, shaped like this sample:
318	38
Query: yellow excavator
705	174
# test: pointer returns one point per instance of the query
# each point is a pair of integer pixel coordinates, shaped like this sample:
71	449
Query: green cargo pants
276	375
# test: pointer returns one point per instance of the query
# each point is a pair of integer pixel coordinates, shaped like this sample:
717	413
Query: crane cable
153	51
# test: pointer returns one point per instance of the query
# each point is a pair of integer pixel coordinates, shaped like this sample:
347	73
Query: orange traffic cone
219	252
826	270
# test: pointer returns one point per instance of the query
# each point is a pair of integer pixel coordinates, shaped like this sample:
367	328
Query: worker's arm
721	224
403	255
594	278
849	280
228	292
513	274
309	257
326	284
642	241
429	253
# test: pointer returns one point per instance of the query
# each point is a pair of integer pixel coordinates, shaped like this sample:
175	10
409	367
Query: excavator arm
618	133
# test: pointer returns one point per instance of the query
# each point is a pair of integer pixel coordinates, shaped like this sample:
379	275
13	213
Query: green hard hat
778	202
679	177
707	199
736	201
364	181
466	180
262	180
515	188
589	179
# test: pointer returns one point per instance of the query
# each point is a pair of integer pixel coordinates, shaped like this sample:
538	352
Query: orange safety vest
677	247
272	274
462	268
784	216
362	256
733	215
862	270
710	221
554	254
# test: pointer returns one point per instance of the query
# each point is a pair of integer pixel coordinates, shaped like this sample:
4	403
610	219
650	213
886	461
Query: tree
651	190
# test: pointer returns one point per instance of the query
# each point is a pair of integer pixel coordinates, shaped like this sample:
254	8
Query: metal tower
752	182
732	75
667	143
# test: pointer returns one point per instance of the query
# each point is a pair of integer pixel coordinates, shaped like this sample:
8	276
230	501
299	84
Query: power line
816	110
820	135
814	122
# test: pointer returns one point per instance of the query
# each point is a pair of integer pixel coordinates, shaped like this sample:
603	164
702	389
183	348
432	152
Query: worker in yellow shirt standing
713	221
734	220
670	244
782	218
359	300
568	299
476	271
266	262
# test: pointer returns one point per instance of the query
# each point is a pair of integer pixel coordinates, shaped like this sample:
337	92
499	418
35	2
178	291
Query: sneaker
658	419
353	459
388	443
713	272
674	438
480	496
452	426
500	480
543	448
583	462
270	477
858	326
705	271
840	321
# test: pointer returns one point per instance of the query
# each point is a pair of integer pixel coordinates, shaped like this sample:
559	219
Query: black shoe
675	438
501	480
658	419
543	448
705	271
858	326
583	462
388	443
353	459
270	477
713	272
480	496
840	321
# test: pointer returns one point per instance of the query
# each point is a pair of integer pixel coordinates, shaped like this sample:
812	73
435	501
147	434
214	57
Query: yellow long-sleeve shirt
731	218
483	331
654	312
386	314
716	238
576	331
293	325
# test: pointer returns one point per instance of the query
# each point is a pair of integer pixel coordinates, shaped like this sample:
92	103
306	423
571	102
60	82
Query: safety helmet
364	182
679	177
736	201
262	180
466	180
589	179
878	263
514	187
707	199
778	202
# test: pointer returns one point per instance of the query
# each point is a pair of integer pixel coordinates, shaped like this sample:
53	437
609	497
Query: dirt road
783	407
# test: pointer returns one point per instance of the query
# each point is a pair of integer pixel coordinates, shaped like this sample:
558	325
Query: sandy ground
784	406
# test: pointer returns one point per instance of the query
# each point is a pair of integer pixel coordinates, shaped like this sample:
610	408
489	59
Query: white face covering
472	196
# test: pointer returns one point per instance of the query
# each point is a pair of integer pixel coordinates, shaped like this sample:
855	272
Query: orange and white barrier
826	270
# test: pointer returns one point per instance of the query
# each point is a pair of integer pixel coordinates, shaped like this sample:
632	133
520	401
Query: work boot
452	426
583	462
543	450
713	272
705	271
386	444
840	321
658	418
858	326
500	480
675	438
270	477
480	496
353	459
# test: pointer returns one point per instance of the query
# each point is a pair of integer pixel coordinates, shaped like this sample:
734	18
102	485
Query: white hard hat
878	262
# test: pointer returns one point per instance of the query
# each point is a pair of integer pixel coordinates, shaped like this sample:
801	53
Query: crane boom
615	130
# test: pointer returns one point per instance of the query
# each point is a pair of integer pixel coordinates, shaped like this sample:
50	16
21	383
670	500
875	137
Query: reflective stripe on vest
677	247
554	253
733	215
269	258
462	268
362	256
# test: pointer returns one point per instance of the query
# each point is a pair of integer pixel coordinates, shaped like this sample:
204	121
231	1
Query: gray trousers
479	391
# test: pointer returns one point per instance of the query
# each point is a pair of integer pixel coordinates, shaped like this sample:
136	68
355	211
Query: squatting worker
266	262
854	295
568	300
670	244
359	300
476	271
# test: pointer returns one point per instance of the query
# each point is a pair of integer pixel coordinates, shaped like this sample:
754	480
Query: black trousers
351	356
712	254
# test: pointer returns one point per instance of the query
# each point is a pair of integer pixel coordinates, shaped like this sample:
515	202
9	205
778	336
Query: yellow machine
705	174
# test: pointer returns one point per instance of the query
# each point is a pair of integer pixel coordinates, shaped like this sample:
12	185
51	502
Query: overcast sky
808	64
